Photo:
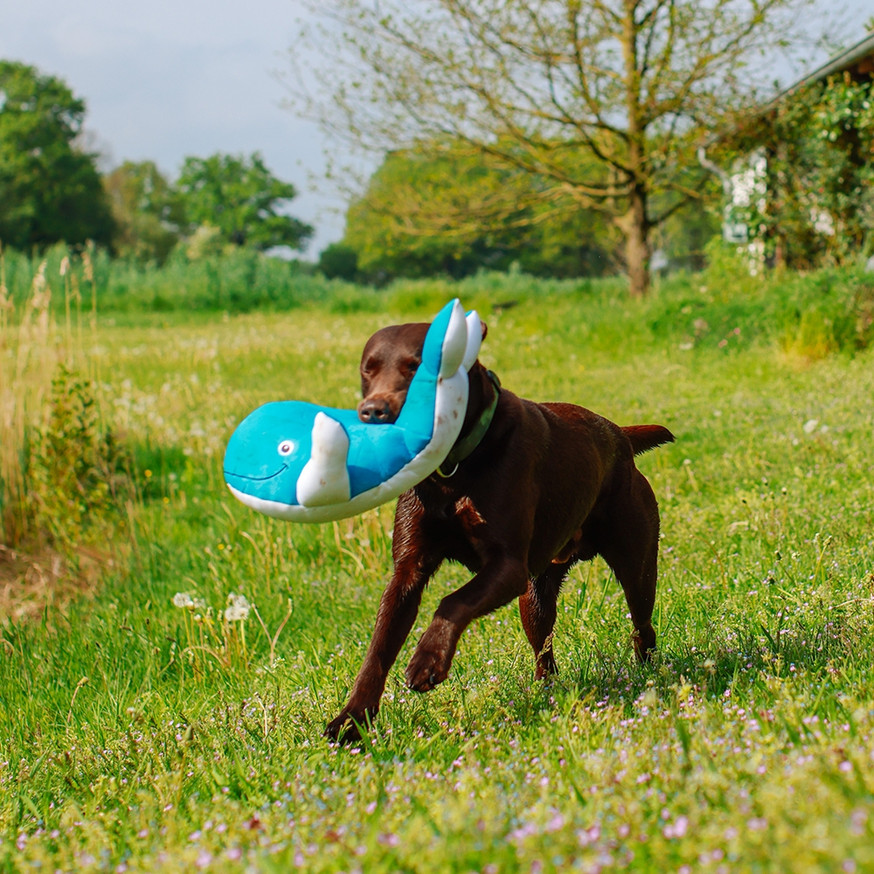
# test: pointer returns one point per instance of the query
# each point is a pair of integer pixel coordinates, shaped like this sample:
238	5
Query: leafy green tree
420	214
50	190
339	261
565	240
427	212
531	85
148	213
243	199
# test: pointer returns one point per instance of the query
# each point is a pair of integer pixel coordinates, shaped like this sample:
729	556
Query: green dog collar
466	445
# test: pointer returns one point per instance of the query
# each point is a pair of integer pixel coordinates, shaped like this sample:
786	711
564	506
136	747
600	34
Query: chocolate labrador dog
528	490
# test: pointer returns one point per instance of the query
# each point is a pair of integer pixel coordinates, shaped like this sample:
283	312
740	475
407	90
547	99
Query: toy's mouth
232	475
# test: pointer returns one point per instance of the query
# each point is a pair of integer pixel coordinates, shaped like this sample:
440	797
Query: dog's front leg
499	582
398	609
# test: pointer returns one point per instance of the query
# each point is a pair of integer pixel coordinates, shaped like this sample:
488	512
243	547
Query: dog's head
388	364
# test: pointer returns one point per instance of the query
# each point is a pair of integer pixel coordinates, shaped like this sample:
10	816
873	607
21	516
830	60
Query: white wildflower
186	602
237	609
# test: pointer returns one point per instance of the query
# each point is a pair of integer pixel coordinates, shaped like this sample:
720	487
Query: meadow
165	688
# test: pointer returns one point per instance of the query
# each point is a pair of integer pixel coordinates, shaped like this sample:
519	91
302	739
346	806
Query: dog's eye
286	447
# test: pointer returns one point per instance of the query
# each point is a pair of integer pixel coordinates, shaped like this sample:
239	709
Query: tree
148	213
242	198
534	85
50	189
426	212
339	261
420	216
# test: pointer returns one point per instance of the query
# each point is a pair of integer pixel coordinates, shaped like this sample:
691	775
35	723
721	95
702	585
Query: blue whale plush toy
300	461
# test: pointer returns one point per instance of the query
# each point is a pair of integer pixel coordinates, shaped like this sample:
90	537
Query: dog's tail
646	437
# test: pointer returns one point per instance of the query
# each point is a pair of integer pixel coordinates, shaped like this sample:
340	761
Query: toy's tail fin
646	437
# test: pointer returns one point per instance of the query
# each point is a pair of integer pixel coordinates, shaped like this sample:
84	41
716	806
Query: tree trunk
635	227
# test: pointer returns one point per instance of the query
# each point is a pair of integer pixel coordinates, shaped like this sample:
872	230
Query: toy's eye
286	447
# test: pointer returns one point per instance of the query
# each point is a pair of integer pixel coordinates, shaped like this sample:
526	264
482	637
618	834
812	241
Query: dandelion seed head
237	609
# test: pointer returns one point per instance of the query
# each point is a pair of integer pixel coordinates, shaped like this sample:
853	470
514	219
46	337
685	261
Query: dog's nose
376	411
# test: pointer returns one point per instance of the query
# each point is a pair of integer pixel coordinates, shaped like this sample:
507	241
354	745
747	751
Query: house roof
858	59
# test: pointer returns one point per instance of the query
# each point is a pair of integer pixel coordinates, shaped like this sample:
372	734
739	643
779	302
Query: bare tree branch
533	86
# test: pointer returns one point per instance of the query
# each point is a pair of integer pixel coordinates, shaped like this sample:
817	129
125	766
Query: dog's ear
485	328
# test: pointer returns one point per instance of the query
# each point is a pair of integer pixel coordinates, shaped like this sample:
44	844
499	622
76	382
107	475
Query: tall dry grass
34	344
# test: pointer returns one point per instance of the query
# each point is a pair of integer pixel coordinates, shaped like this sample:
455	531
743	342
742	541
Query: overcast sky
164	79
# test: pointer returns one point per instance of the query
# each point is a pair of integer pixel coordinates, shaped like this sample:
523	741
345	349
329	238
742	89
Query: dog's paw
644	641
427	669
347	727
546	668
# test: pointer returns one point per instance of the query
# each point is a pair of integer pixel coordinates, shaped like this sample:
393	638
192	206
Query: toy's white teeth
454	342
325	479
474	339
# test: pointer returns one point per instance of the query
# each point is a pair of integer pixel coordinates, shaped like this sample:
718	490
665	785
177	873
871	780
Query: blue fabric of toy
300	461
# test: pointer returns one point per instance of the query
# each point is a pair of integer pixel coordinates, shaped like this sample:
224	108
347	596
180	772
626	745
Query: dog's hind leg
629	543
537	608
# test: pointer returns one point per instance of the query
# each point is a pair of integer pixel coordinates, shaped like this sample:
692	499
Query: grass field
139	734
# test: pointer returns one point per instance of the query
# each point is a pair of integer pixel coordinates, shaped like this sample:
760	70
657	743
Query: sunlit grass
137	737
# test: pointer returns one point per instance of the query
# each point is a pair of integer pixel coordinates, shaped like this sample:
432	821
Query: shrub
828	312
74	472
